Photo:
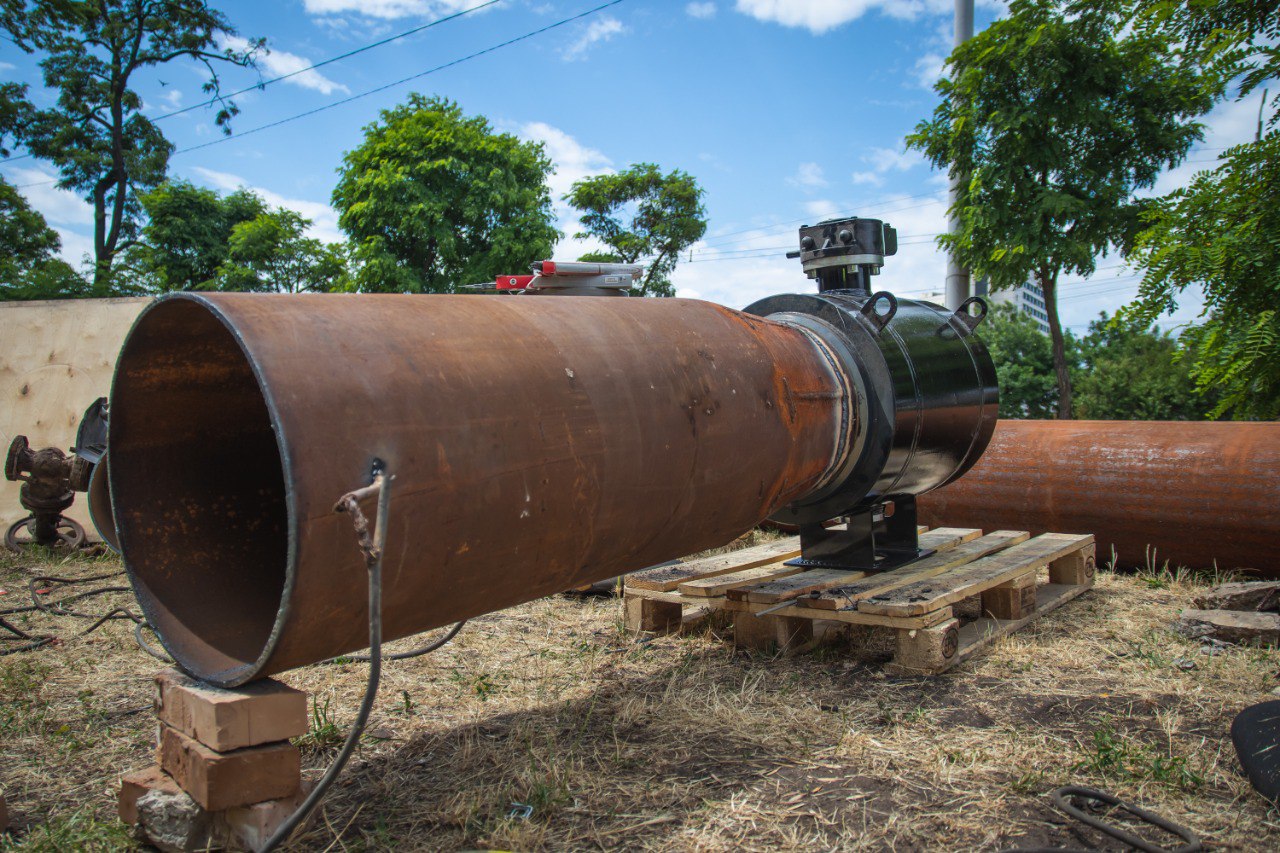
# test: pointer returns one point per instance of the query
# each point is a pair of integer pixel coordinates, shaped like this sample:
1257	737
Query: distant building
1027	298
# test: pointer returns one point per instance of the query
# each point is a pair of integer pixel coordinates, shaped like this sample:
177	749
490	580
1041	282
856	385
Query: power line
403	80
265	83
332	59
383	88
770	229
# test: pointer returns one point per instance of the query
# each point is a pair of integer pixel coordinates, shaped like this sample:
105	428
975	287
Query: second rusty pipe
1195	494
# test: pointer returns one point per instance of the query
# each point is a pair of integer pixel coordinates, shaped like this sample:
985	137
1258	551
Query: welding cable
373	548
36	641
59	608
412	653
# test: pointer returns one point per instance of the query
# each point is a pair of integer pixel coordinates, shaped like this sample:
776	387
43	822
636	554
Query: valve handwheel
69	534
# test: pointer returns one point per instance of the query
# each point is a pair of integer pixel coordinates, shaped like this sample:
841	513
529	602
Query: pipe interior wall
1197	494
536	444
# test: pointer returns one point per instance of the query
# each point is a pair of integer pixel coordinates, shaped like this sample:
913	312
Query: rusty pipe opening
539	445
198	482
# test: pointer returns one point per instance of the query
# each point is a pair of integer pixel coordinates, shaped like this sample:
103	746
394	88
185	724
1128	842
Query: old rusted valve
49	480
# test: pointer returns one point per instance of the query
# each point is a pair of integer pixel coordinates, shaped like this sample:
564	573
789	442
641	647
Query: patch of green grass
482	684
890	716
22	676
324	732
1112	754
80	830
1030	783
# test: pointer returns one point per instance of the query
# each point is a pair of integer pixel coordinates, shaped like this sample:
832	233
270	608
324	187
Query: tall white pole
957	289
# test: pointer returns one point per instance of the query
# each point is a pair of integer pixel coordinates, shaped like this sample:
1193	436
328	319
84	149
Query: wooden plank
847	597
784	589
667	578
980	633
673	597
648	615
849	617
720	584
771	633
922	596
946	538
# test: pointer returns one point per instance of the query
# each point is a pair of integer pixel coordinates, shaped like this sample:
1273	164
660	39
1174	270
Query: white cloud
601	29
573	161
9	66
324	219
279	62
1229	123
389	9
929	70
808	176
882	161
718	276
819	16
59	206
822	208
701	10
66	213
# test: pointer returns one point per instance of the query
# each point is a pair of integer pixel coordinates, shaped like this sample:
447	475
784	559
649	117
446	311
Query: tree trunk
1049	286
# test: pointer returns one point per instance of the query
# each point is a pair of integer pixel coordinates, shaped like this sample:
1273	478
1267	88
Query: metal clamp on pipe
925	389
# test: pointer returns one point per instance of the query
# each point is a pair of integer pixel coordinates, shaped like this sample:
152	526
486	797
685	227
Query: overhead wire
265	83
307	113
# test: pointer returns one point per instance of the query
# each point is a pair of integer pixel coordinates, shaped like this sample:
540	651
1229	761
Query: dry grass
682	743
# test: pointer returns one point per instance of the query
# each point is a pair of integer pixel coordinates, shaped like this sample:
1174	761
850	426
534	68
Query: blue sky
786	111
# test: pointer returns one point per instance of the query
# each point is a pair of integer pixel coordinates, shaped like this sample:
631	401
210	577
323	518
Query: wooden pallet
776	606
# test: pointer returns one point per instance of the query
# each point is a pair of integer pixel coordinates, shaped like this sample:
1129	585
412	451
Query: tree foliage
29	265
187	233
96	135
1121	370
271	253
433	199
1221	233
666	217
1129	371
1052	122
1024	363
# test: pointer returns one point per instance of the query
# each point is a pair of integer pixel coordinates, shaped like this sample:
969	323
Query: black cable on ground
412	653
60	608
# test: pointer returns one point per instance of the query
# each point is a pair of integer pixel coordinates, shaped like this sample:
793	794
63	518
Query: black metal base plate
885	560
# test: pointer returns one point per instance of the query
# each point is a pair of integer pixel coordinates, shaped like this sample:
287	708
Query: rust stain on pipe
1199	494
537	445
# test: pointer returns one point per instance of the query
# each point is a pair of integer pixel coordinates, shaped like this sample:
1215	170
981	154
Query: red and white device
570	278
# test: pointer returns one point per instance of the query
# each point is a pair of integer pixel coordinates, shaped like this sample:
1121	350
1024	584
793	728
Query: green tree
666	217
1024	363
1129	371
433	199
272	253
96	135
1221	233
1052	123
187	233
29	265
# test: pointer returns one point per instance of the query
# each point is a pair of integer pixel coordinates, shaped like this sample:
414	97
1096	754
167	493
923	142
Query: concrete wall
56	357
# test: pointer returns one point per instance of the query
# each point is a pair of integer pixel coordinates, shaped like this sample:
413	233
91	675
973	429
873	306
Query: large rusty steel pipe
1198	494
536	445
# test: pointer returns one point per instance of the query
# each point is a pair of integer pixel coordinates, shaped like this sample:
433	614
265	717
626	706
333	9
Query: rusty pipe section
537	446
1197	494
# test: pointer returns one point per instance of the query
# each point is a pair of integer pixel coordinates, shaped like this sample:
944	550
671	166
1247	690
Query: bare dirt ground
547	727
